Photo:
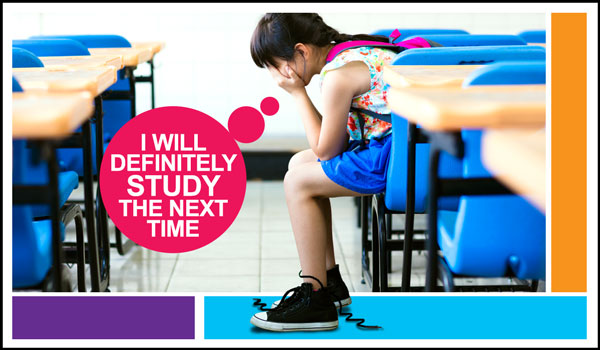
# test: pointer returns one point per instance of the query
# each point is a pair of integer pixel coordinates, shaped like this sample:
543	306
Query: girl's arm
327	136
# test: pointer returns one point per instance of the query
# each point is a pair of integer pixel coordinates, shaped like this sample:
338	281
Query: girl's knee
295	181
302	157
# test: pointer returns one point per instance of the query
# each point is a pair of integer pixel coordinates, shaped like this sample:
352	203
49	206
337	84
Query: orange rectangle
569	148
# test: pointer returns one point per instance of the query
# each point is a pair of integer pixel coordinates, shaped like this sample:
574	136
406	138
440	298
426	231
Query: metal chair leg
375	246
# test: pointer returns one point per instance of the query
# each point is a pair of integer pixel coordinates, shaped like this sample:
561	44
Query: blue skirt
362	170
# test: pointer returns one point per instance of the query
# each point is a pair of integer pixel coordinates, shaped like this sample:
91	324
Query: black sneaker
306	310
336	286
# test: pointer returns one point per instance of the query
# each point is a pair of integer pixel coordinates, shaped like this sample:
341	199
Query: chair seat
67	182
490	235
32	255
72	158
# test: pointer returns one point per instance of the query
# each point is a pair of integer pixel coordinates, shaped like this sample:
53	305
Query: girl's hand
291	83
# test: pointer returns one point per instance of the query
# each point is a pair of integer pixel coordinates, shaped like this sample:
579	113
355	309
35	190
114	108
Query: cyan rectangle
418	317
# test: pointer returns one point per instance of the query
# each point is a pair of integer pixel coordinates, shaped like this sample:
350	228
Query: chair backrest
469	55
395	192
518	72
52	47
91	40
408	32
24	59
450	40
533	36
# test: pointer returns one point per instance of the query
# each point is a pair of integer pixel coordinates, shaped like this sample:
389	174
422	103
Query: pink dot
269	106
246	124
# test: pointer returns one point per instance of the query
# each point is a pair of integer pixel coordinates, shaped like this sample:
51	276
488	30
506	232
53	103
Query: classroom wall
206	63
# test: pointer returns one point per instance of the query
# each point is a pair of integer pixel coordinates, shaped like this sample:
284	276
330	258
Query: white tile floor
257	253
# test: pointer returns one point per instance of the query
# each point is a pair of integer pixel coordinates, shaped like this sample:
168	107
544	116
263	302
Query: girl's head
300	40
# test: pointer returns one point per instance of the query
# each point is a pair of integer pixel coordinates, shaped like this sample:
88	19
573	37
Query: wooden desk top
518	159
78	62
427	76
156	46
93	80
131	56
454	108
49	114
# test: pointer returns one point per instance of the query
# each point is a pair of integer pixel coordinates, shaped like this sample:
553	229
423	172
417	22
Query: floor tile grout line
172	273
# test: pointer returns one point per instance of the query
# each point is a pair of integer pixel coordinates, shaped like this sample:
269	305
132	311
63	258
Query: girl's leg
308	156
305	186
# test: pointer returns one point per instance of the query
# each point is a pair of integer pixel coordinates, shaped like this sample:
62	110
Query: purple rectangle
103	317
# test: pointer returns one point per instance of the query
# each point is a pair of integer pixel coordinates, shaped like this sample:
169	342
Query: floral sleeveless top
375	99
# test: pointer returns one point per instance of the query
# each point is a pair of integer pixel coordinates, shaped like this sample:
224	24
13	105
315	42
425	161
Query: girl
344	158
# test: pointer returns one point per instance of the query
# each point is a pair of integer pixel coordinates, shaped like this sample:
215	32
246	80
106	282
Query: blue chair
52	47
34	174
516	228
469	55
534	36
32	240
450	40
532	72
24	59
408	32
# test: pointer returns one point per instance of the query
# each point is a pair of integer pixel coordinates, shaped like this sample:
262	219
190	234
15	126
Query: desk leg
101	219
132	90
410	208
54	215
375	245
152	80
123	248
364	206
431	244
88	190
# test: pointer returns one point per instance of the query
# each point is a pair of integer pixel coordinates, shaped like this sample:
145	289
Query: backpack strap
361	121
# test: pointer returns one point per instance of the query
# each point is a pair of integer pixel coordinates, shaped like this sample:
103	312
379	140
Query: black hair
277	34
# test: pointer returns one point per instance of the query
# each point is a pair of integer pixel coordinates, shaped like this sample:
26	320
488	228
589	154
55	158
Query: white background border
592	174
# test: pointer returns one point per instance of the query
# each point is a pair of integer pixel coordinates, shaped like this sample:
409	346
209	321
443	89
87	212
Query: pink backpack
398	47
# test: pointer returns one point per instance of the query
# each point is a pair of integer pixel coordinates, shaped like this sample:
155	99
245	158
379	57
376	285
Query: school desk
518	159
427	76
93	80
48	119
49	115
131	56
79	62
455	108
156	47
